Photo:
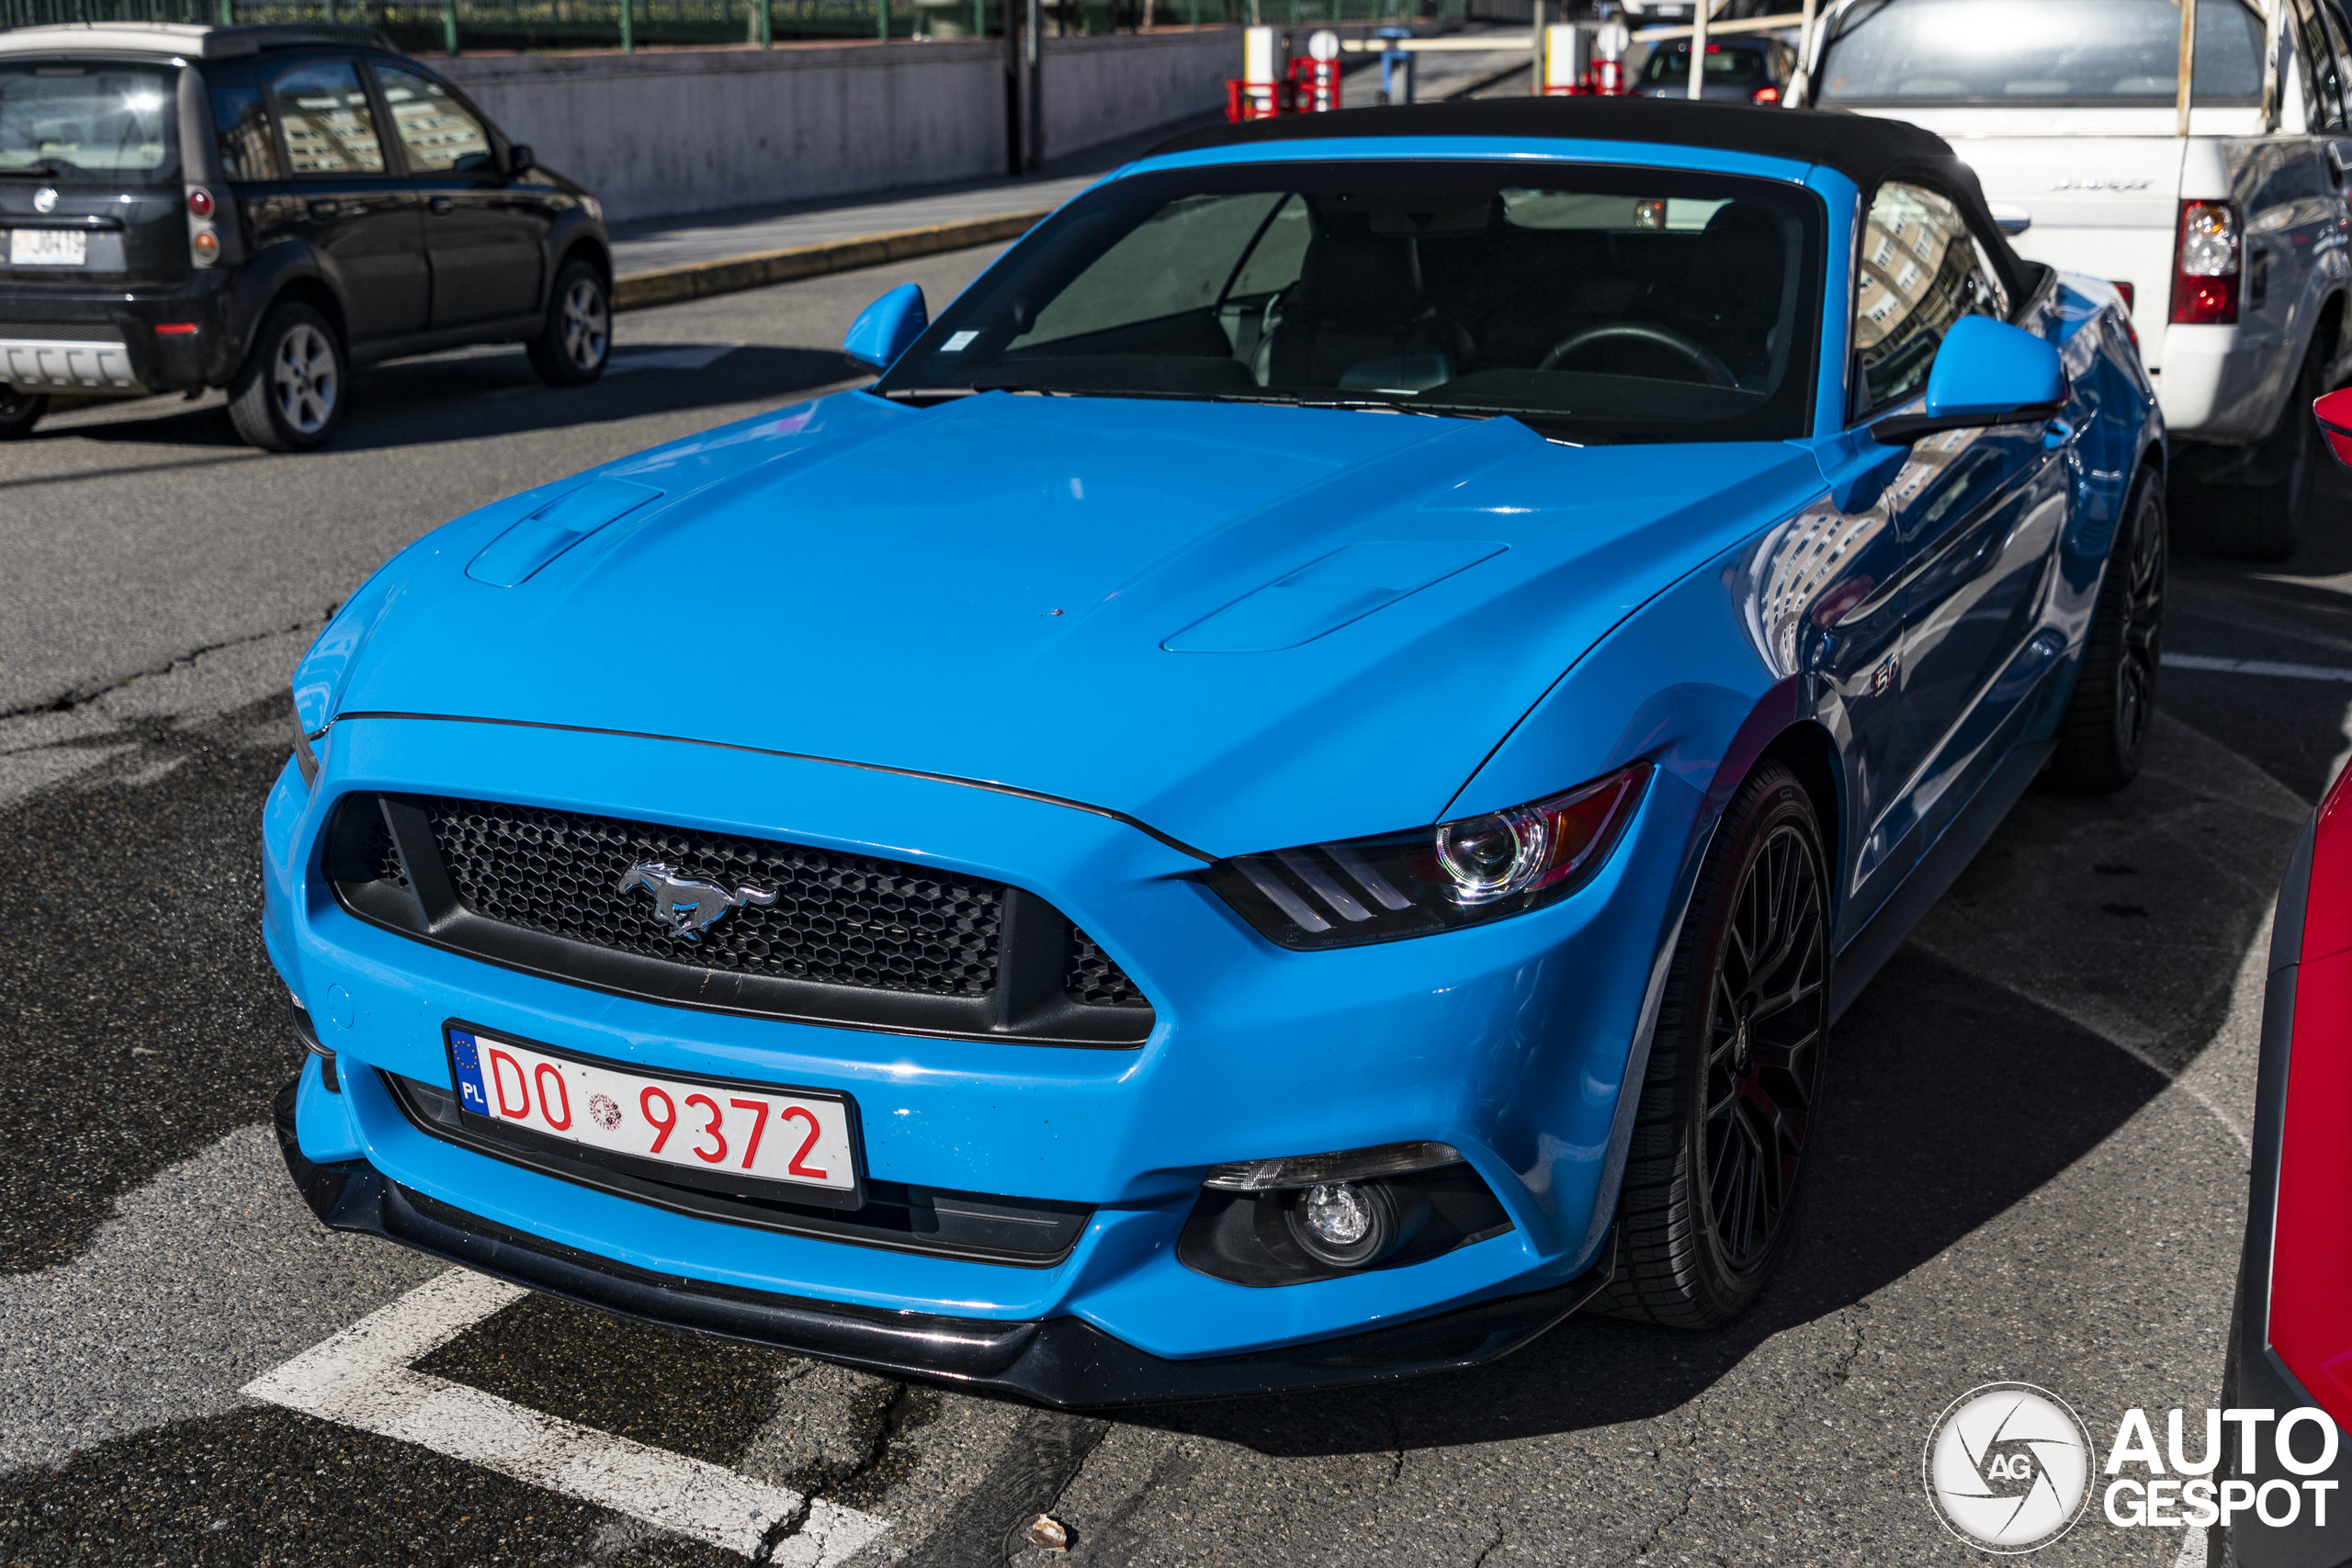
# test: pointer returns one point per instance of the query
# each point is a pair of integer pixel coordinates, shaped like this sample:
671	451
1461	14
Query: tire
1728	1102
2104	731
2266	522
288	395
571	350
20	411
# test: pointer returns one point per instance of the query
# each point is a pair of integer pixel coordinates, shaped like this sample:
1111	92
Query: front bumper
1509	1041
1061	1361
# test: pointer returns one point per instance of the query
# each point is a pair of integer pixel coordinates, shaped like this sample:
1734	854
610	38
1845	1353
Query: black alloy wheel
2265	521
1766	1031
2104	734
1733	1088
20	411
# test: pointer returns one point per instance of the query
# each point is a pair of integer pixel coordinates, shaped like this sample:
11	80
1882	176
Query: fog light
1346	1223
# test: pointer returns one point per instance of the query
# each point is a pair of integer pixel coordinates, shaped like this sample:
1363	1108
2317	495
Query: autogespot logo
2008	1467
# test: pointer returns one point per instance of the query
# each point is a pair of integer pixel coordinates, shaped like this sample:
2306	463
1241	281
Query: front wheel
571	350
288	394
20	411
1734	1083
2105	731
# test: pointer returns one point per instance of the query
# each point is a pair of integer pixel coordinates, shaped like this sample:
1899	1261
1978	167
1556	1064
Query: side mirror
518	161
2334	413
886	328
1986	372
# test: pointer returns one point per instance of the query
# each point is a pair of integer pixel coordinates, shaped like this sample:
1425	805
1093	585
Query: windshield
93	119
1605	304
2023	51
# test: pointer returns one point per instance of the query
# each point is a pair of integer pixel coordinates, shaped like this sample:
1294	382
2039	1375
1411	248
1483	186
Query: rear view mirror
887	327
2334	413
1986	372
518	161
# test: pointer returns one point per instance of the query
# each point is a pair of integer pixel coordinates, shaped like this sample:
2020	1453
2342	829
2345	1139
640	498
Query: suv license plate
48	247
790	1137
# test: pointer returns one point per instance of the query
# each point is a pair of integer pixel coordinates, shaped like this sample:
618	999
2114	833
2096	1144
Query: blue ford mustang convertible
1288	798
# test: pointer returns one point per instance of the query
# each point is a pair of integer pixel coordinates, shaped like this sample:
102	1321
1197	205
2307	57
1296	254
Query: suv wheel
1734	1083
2105	729
2266	522
572	349
20	411
288	394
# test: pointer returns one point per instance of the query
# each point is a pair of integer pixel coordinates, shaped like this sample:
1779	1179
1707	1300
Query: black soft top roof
1864	150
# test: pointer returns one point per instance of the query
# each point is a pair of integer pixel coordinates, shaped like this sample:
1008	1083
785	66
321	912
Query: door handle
324	206
441	204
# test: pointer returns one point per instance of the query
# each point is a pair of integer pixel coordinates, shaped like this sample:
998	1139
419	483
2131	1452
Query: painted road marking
362	1378
2257	667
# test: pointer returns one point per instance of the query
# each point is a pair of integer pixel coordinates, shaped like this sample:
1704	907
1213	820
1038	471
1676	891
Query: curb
697	280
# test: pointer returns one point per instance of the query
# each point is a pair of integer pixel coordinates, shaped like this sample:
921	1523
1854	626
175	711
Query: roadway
2033	1167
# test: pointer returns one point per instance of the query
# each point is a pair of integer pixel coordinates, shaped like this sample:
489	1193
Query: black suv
259	208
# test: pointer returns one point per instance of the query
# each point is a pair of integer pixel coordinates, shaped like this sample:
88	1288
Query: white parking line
2257	667
362	1378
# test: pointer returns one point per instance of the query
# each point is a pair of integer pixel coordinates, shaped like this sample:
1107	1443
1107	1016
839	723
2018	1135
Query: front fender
574	229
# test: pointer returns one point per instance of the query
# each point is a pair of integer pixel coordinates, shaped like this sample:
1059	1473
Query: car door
486	236
1978	511
359	218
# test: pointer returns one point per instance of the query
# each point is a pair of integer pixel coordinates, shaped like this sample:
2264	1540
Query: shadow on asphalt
475	395
1950	1102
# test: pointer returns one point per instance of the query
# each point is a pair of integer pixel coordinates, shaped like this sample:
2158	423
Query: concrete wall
680	132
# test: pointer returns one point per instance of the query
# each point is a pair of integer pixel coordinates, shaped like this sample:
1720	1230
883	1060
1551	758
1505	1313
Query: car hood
1245	626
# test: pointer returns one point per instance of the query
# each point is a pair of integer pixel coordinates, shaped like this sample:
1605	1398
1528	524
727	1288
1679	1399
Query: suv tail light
2205	263
1765	96
203	240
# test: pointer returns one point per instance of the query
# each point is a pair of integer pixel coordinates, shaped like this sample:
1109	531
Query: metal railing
450	26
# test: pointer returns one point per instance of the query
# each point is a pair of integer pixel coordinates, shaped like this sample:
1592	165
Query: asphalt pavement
2033	1161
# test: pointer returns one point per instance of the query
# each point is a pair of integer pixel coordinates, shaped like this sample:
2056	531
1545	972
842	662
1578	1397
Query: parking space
2033	1165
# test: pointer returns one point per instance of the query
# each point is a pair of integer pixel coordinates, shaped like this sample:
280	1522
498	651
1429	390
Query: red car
2291	1334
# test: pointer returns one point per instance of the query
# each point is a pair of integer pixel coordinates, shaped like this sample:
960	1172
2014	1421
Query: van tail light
1765	96
2205	264
200	201
2131	295
203	238
205	247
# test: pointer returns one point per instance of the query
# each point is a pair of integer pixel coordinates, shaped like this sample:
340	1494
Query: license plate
733	1136
48	247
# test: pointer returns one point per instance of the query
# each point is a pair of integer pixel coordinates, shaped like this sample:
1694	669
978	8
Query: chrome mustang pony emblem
686	907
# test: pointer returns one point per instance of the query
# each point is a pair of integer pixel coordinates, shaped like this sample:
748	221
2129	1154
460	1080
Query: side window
1919	271
2315	62
330	129
2336	92
435	129
248	151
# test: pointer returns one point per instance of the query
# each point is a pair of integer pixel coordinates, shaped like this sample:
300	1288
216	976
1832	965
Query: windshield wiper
31	170
1362	405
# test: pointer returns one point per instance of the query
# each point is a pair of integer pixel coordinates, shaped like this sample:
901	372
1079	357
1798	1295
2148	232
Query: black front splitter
1060	1361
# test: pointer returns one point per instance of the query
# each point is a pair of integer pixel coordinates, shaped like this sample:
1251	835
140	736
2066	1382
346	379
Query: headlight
1433	879
306	759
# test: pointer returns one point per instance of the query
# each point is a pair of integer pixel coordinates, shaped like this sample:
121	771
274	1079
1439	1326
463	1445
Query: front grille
838	919
847	939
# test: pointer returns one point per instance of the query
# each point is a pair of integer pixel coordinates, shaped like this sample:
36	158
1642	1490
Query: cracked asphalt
2033	1162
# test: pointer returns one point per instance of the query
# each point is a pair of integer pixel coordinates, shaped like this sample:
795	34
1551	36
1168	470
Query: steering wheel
1712	371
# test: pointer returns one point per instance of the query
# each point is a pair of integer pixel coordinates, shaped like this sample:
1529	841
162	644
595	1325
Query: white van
2228	241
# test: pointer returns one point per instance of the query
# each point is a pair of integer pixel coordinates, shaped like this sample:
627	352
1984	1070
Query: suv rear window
1732	67
2029	51
98	119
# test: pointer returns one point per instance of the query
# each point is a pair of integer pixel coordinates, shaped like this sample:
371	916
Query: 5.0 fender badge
686	906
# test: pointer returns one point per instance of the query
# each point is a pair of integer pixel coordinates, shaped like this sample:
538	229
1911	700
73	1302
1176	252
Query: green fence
439	26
